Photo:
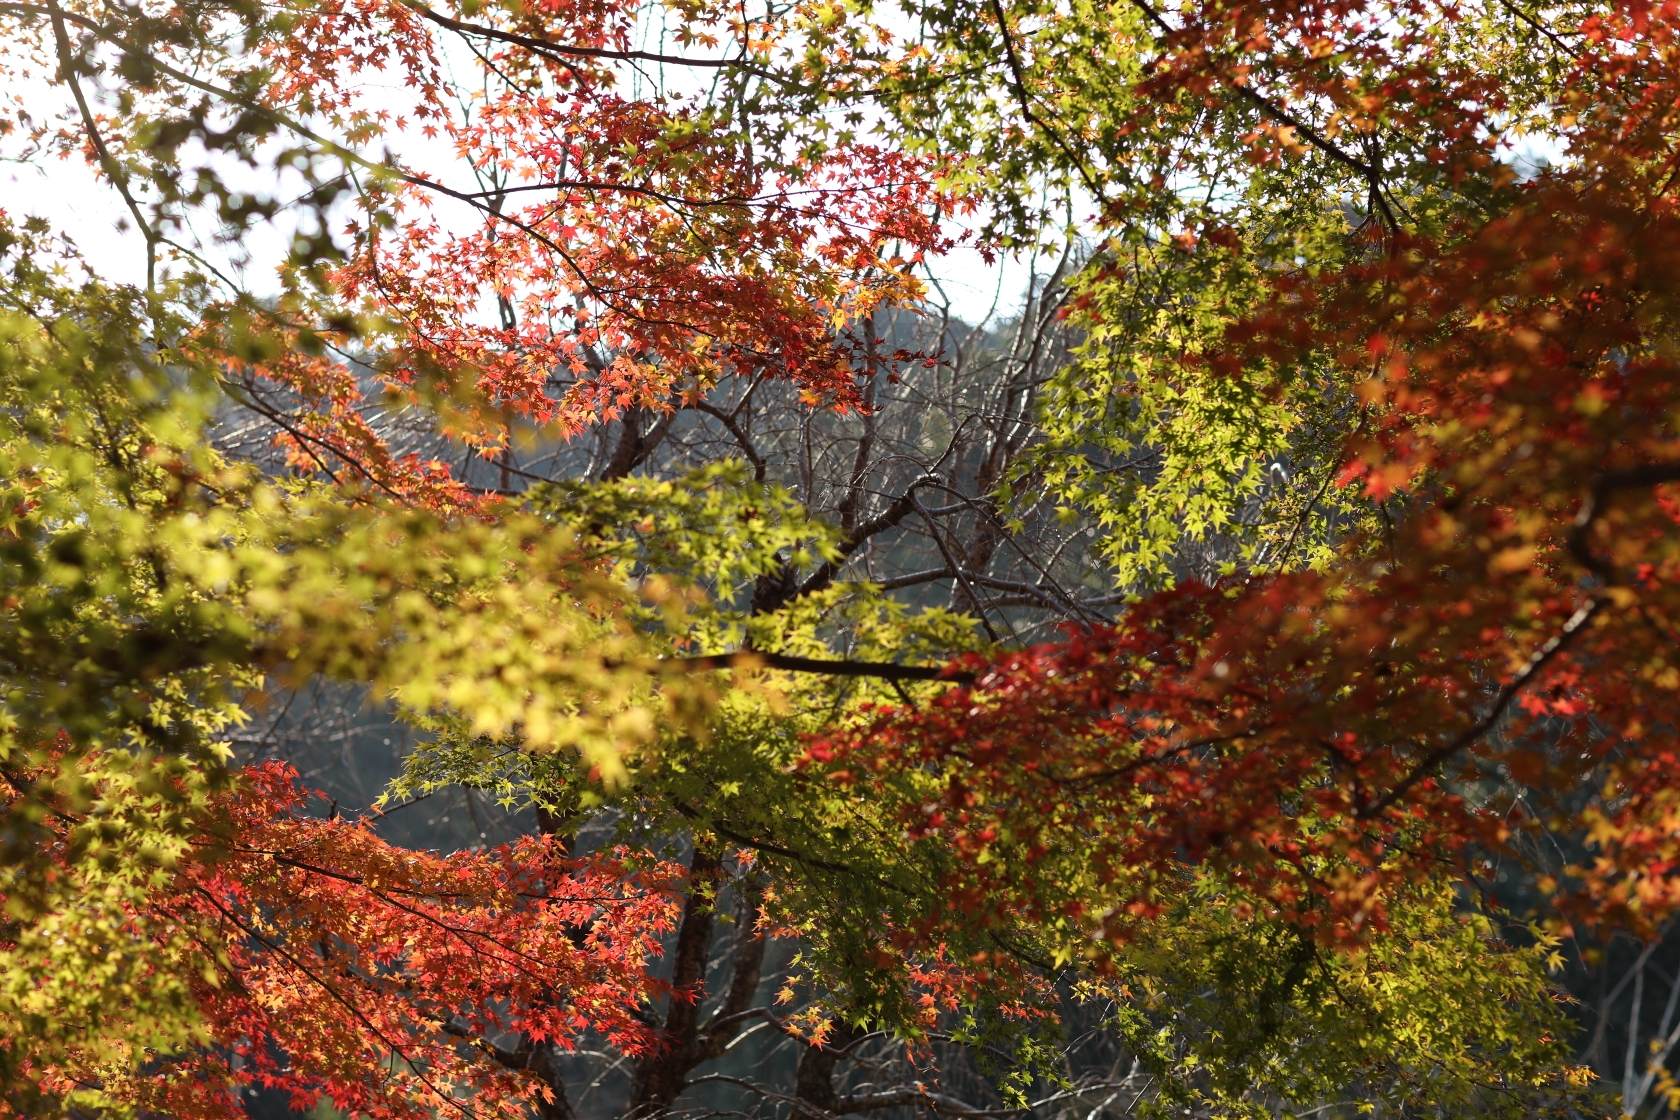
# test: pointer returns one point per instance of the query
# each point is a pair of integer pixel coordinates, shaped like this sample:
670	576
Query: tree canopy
1235	680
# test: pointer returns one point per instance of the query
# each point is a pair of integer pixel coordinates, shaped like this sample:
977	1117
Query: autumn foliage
633	247
1369	423
1320	737
335	966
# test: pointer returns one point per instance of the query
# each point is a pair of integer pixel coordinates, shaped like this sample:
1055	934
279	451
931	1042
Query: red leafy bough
582	252
386	979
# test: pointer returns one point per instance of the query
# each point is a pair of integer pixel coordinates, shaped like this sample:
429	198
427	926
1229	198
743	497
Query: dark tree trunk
635	445
814	1084
545	1063
659	1076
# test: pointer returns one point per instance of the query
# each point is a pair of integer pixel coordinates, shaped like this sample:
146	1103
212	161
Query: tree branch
881	670
550	48
1600	491
901	508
